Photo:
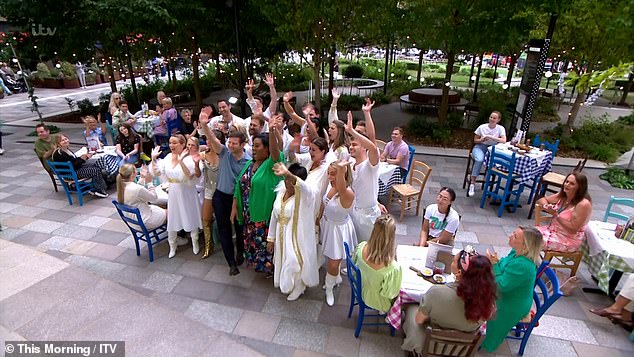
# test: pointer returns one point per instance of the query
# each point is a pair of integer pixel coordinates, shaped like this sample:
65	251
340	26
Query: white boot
337	283
195	246
331	280
298	289
171	239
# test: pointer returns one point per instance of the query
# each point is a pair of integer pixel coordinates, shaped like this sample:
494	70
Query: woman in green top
515	277
253	200
380	274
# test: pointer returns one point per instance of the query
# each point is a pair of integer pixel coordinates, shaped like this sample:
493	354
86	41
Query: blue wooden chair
67	176
356	297
108	117
552	147
131	216
617	201
501	168
412	151
547	292
113	133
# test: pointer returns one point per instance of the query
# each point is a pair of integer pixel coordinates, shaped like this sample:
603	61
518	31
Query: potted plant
98	73
52	79
69	75
91	77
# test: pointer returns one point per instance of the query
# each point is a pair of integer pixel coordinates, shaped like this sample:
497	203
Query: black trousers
222	210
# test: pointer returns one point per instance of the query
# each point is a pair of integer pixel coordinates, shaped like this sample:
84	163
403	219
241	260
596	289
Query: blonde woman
115	98
140	195
211	164
336	226
515	279
380	274
179	169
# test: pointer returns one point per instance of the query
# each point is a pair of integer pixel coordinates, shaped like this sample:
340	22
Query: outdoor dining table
388	177
413	286
146	124
531	165
604	253
107	159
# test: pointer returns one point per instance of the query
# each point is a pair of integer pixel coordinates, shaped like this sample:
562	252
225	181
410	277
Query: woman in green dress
515	278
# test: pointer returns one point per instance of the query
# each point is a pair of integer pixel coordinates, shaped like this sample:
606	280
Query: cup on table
439	268
542	147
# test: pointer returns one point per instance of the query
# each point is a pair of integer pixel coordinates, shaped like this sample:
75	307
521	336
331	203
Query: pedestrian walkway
71	272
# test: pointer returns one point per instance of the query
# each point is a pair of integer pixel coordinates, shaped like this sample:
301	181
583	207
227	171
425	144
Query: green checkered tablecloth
146	125
601	266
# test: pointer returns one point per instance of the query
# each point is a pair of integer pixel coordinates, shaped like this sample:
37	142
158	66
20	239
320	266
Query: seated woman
515	278
139	195
621	311
128	145
463	305
85	168
441	221
380	273
486	135
571	209
190	127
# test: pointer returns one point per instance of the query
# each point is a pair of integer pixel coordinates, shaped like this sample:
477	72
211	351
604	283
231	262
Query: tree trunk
173	75
626	90
217	61
444	103
509	76
131	73
581	97
196	76
495	71
471	72
113	83
331	64
420	65
316	69
477	81
387	66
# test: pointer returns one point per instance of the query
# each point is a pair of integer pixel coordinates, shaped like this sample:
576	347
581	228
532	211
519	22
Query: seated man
44	142
123	115
94	132
396	152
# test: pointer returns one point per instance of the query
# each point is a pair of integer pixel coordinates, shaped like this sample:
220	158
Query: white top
365	183
341	153
317	179
135	195
234	120
436	218
497	132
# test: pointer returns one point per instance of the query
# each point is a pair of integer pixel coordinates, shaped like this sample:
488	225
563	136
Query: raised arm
270	81
274	145
369	123
203	119
290	111
346	195
332	113
369	145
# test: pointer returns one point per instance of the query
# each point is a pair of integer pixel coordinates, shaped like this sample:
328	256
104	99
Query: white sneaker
471	190
101	194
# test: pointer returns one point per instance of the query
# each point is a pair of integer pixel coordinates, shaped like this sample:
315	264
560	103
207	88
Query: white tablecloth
386	171
414	285
600	238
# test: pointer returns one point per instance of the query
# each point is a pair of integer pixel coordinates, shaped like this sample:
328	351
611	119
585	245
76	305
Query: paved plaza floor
71	273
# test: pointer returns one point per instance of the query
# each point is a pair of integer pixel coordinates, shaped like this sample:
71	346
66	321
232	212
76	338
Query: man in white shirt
228	118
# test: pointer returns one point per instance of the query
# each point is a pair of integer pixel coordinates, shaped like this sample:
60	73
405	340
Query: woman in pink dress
571	209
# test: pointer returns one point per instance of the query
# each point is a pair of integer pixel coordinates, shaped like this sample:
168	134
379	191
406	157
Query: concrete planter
71	83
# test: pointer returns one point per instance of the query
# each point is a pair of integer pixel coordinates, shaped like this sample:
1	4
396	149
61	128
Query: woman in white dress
336	226
291	237
179	169
316	166
139	195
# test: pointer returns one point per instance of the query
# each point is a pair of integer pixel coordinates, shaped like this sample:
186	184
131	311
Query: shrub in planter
86	107
42	71
353	71
488	73
91	79
419	126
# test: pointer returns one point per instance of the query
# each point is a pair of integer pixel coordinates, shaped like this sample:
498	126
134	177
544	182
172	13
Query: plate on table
426	272
439	279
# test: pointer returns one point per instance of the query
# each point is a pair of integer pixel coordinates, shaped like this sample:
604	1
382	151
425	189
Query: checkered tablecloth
394	179
602	265
107	163
146	125
394	315
532	165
